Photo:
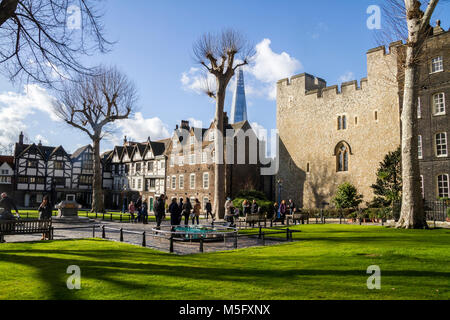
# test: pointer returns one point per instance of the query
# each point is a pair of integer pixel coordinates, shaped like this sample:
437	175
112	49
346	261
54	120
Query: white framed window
192	159
439	104
133	183
204	157
174	182
213	155
172	161
181	182
437	64
441	144
419	108
192	139
206	180
212	135
175	143
139	183
422	188
443	186
192	181
181	160
420	148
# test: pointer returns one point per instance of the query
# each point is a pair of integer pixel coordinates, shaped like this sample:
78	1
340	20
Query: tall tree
388	187
91	104
221	54
410	20
418	24
42	40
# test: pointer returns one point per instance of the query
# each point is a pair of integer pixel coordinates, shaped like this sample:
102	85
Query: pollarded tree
42	40
221	54
91	104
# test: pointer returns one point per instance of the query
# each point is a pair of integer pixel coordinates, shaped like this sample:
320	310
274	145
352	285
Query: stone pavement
84	231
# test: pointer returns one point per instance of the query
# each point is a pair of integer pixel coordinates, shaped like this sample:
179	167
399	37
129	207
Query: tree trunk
7	10
97	187
219	167
412	213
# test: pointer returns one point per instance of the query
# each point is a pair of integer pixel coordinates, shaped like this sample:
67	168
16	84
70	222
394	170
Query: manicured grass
329	262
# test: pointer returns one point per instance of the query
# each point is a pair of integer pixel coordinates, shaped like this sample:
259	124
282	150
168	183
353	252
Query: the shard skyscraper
239	106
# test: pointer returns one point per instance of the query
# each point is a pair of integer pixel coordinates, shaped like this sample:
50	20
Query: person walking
274	214
180	210
246	208
144	212
174	213
187	207
283	209
208	208
160	211
197	209
45	213
229	212
132	210
138	207
8	205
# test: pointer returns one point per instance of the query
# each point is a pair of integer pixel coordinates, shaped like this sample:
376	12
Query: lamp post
280	185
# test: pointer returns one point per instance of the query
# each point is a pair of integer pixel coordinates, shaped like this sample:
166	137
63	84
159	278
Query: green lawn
329	262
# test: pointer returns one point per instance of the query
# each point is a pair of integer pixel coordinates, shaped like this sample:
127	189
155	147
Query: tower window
376	115
342	157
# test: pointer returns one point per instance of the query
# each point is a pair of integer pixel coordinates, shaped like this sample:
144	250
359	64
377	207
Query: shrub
265	205
347	197
251	194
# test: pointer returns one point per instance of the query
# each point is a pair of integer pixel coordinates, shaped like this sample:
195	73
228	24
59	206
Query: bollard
144	242
103	218
103	232
121	235
96	215
260	233
201	244
171	243
271	223
360	221
287	234
263	239
317	220
340	220
120	217
93	232
111	217
236	240
290	235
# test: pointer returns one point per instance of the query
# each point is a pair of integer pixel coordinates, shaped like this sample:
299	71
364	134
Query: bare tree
407	21
41	40
221	54
91	104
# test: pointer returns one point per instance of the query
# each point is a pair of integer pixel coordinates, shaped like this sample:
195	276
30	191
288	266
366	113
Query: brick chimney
21	138
185	124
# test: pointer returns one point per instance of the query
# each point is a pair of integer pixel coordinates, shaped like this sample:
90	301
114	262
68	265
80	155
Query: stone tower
239	106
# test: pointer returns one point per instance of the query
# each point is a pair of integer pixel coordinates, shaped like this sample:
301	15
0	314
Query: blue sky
154	48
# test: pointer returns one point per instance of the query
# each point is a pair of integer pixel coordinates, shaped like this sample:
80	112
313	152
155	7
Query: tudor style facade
6	174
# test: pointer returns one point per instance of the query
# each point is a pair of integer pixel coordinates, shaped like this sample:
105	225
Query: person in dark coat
144	212
254	207
160	210
208	208
138	207
291	207
174	213
45	213
187	208
247	209
180	210
8	205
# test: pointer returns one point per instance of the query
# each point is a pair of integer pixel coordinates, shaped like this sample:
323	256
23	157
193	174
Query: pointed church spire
239	106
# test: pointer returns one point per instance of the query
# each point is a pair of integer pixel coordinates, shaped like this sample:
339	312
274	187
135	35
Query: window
441	144
204	157
5	172
175	143
40	180
439	104
172	161
420	148
150	166
192	140
192	181
443	186
308	168
181	182
205	180
212	135
22	180
376	115
87	161
5	179
138	167
422	187
344	122
139	181
437	65
356	121
174	182
192	159
86	180
419	108
181	160
32	164
59	181
133	183
342	157
59	165
339	123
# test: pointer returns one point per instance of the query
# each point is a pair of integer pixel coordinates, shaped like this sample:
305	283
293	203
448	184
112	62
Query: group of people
141	208
280	211
184	208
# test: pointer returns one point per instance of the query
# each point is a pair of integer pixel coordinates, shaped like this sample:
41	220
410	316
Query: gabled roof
80	151
7	159
107	156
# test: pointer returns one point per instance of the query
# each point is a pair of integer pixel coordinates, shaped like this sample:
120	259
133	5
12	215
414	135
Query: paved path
83	231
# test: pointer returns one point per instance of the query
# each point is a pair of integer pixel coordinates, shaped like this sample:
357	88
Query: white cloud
197	80
348	76
16	107
140	128
42	139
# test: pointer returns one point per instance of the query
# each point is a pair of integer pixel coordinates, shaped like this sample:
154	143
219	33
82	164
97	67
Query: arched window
342	153
344	122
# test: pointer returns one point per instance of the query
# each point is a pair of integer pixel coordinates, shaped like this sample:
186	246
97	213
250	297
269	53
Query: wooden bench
297	217
20	227
252	219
